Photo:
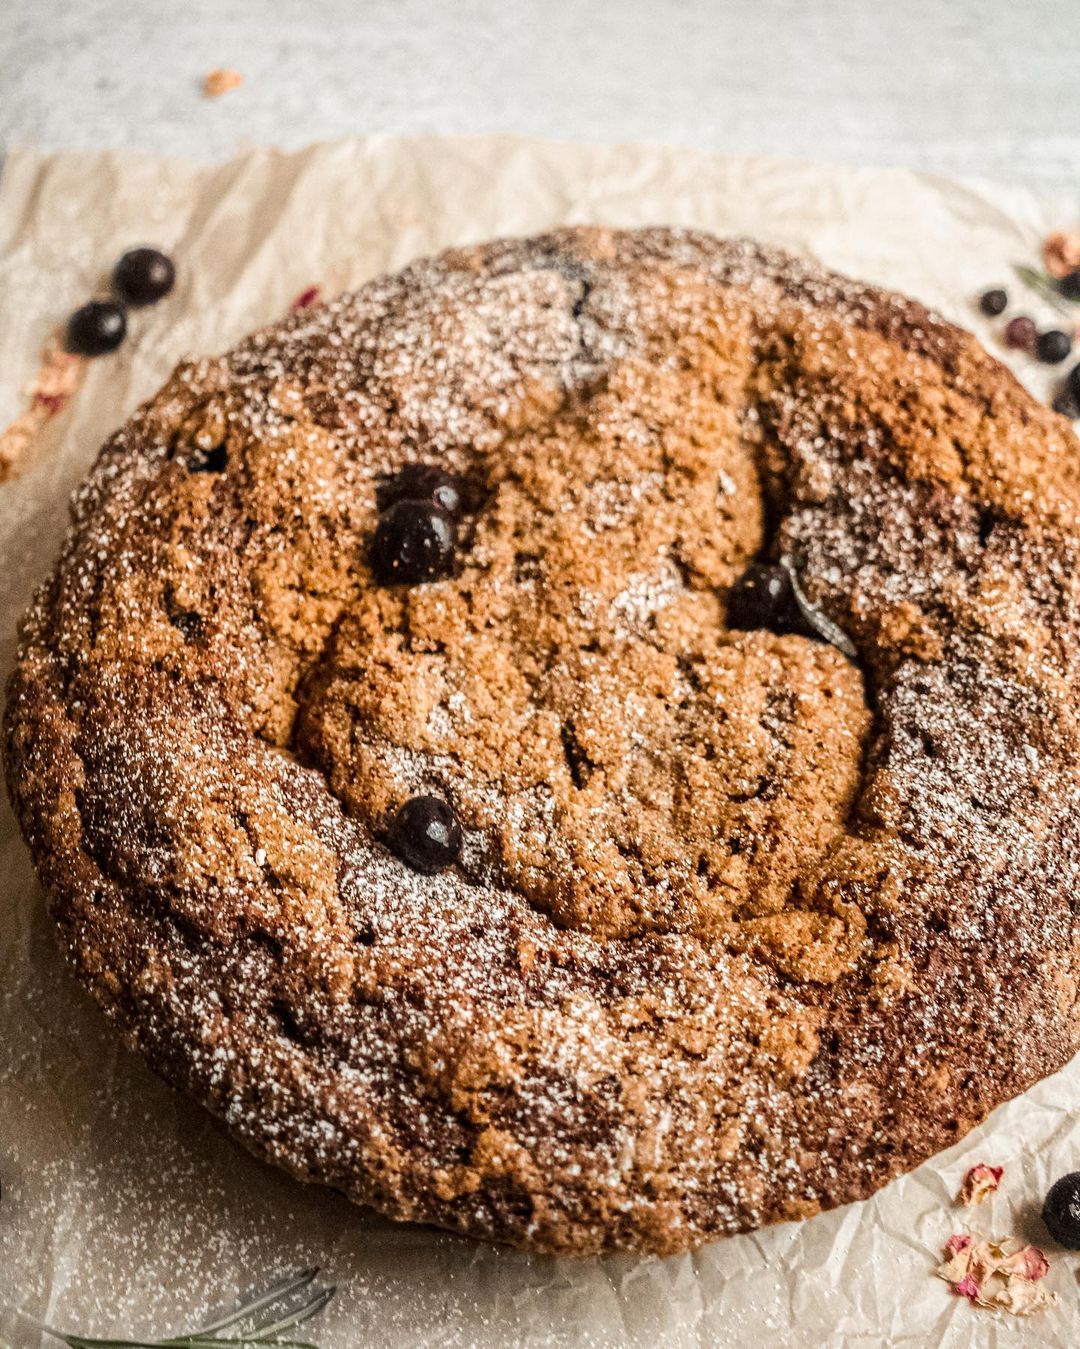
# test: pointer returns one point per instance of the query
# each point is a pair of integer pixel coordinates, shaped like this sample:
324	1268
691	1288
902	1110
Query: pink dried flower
55	382
1000	1272
1033	1264
980	1181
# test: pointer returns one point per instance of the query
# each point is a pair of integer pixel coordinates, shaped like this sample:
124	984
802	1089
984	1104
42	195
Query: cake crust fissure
741	928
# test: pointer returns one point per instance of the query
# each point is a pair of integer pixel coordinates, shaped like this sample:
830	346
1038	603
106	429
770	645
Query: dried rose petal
220	81
980	1181
14	442
1036	1264
958	1264
1029	1263
1061	253
1021	1297
306	298
57	378
1002	1273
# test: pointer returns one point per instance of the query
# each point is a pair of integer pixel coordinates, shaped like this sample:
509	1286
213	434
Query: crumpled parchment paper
125	1208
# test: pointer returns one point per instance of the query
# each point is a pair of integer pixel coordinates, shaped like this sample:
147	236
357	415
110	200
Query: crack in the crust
985	521
577	309
756	438
573	390
777	502
580	766
575	273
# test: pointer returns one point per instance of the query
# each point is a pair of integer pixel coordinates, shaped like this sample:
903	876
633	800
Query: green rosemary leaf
277	1297
291	1283
1042	285
80	1342
821	623
305	1312
245	1342
192	1342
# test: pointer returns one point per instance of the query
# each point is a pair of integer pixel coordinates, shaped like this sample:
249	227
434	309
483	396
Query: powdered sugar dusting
443	1048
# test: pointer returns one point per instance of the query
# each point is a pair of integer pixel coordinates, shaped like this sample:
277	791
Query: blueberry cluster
142	276
1052	347
415	541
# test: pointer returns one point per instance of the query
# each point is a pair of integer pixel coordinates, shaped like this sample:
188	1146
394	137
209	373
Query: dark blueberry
187	622
993	302
764	597
1061	1210
414	541
1072	383
143	276
1054	346
96	328
420	482
1066	404
208	461
768	595
1070	285
425	834
1021	333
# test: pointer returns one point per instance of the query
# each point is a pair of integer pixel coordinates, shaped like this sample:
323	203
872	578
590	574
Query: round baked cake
700	925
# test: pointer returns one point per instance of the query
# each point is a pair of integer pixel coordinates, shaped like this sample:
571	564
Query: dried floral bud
1061	253
218	82
306	298
980	1181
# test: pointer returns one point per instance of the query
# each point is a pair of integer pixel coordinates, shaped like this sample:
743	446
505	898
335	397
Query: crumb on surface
220	81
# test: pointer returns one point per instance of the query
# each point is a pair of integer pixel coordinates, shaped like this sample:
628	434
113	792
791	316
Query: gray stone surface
988	87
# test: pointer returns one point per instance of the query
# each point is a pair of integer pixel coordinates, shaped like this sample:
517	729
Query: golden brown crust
742	928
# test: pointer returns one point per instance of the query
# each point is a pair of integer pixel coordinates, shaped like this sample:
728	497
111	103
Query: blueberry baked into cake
577	742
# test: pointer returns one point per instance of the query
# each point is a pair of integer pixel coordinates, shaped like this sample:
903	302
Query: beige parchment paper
125	1208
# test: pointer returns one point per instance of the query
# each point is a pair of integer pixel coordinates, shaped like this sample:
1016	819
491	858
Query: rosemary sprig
283	1306
1042	285
821	623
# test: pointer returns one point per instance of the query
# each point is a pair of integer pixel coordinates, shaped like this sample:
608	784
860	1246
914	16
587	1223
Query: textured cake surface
741	927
